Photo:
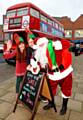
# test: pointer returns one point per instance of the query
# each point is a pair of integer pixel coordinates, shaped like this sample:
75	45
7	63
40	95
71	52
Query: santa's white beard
41	55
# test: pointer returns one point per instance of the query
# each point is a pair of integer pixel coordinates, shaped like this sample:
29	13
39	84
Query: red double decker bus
21	16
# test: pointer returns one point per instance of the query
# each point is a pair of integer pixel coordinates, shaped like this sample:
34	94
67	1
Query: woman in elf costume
20	53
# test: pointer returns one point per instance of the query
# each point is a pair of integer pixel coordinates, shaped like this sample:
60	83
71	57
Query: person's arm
8	54
29	54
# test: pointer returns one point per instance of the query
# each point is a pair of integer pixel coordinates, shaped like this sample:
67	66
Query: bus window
43	18
34	13
11	21
16	22
62	29
53	24
43	27
22	11
49	21
59	27
56	25
7	36
11	13
53	31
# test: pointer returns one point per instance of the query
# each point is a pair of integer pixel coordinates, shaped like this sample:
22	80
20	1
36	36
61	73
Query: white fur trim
33	63
60	75
37	70
34	47
65	96
40	56
57	45
42	40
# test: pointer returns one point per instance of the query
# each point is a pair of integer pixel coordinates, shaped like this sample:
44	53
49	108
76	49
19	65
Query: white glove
33	63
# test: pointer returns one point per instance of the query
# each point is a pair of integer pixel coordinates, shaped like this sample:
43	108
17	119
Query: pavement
1	58
75	104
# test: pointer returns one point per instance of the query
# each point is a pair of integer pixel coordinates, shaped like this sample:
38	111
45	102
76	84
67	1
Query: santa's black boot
48	106
64	106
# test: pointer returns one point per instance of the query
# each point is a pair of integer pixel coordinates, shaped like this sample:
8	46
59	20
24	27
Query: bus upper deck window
34	13
22	11
49	21
43	18
56	25
11	13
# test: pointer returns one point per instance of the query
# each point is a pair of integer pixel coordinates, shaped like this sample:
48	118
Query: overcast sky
58	8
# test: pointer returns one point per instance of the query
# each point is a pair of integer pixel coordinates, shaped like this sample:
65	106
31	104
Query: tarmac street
7	97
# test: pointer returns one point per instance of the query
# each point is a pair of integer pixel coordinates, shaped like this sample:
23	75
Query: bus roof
20	5
28	4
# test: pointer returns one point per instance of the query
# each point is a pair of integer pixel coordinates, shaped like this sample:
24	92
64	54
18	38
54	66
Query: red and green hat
18	39
21	39
32	36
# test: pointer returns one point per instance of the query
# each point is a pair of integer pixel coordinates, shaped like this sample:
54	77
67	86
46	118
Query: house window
68	33
78	33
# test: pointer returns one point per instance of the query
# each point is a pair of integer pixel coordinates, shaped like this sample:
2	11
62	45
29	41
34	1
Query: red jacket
20	66
63	57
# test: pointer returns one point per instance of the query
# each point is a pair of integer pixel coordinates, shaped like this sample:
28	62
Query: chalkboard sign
32	86
30	89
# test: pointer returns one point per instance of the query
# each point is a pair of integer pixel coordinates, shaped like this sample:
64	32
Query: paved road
6	72
7	97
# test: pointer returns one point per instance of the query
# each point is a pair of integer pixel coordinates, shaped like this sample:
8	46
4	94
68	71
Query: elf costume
20	63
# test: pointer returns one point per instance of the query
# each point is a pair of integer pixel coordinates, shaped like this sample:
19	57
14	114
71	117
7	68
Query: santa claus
56	54
63	77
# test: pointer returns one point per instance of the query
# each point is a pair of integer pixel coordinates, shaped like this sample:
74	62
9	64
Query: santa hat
18	39
65	44
57	45
42	41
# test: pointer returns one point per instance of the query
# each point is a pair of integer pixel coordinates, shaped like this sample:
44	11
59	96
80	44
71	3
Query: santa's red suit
64	76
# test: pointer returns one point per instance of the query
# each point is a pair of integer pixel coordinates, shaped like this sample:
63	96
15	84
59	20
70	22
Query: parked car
77	47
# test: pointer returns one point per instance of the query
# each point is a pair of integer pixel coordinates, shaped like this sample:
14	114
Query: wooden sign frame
39	92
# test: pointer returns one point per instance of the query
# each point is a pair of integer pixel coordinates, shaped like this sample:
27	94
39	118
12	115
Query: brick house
78	28
73	30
